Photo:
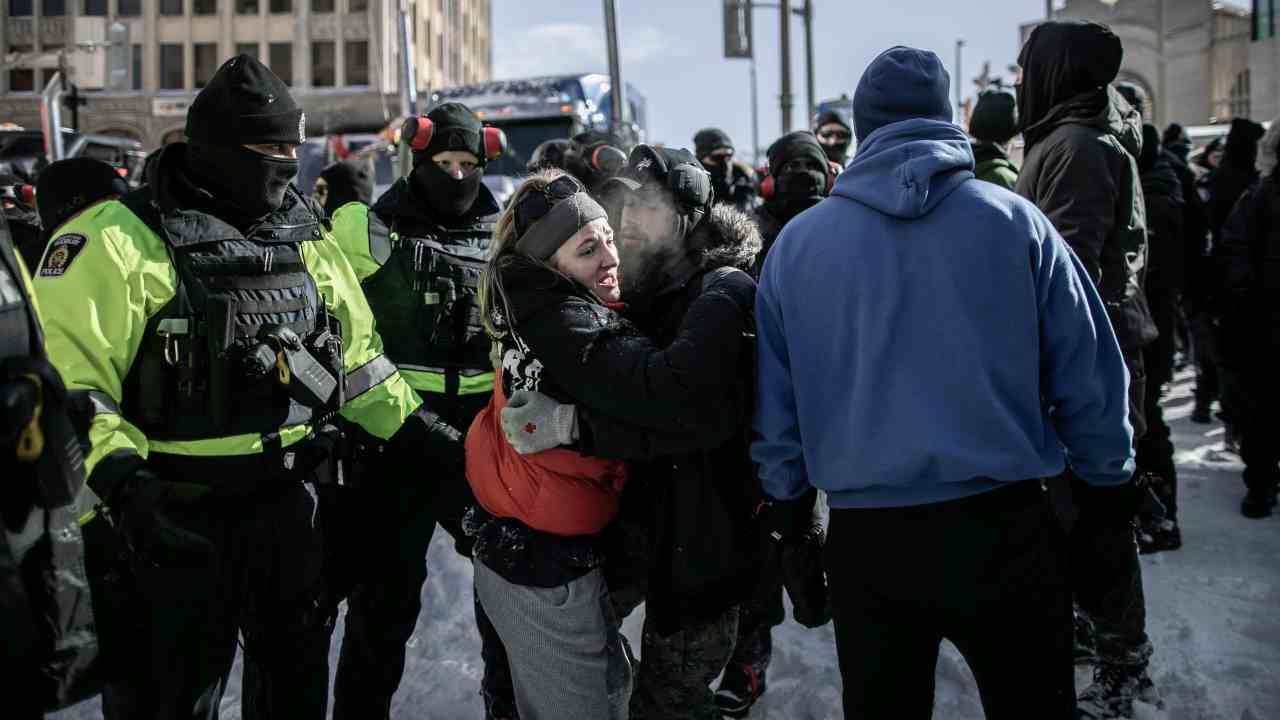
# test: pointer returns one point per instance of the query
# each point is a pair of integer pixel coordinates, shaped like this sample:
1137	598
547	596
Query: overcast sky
673	51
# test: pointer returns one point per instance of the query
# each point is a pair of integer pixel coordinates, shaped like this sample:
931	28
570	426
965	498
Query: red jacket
558	491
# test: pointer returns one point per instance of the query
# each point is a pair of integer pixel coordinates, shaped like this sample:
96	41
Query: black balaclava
348	181
837	152
797	190
1241	148
243	104
1061	60
68	186
707	141
454	127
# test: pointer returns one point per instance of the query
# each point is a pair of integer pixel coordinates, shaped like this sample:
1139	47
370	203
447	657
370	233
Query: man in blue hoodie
928	349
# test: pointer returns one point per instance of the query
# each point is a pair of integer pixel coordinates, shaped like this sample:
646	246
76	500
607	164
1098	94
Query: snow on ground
1213	614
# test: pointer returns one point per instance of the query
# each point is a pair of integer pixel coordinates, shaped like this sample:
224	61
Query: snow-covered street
1213	615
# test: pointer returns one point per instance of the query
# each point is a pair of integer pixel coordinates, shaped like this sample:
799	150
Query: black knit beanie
68	186
244	104
709	140
454	127
794	146
826	117
995	117
349	181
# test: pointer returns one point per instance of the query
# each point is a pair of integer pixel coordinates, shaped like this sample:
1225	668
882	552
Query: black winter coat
1248	256
633	394
1195	237
1234	174
1081	171
1162	192
686	531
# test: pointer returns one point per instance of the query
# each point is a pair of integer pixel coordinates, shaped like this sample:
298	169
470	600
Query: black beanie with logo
245	104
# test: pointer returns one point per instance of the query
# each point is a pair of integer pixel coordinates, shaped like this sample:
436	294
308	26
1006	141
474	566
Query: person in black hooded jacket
801	175
344	182
1166	277
1250	309
1082	141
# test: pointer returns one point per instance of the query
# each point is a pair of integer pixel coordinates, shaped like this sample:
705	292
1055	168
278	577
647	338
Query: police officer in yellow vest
49	656
419	252
218	329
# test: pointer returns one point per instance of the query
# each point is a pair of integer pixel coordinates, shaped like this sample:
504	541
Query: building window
21	79
136	61
172	76
21	8
247	7
322	63
280	60
130	8
356	62
1240	95
97	8
250	49
206	62
171	7
204	7
321	6
357	5
46	74
53	8
280	7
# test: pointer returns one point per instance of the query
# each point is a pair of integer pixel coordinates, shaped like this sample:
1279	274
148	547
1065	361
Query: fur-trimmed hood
726	237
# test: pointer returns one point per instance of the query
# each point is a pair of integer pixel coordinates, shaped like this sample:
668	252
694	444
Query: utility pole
808	59
784	99
617	94
755	118
1048	9
408	82
959	80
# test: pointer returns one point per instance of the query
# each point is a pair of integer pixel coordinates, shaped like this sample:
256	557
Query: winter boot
1159	536
1258	503
1114	690
739	689
1086	650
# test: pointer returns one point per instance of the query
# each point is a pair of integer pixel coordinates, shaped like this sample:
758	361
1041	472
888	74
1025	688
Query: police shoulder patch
62	251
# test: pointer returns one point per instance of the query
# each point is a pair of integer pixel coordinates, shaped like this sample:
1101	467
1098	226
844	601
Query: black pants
405	499
1259	448
1204	335
985	572
1155	448
261	582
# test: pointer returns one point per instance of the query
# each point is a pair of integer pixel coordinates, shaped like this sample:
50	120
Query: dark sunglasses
536	204
834	135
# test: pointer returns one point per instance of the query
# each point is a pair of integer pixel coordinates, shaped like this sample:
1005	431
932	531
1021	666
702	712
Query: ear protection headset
767	188
27	194
418	131
607	159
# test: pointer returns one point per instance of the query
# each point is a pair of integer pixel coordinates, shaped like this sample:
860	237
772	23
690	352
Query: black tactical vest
426	292
199	370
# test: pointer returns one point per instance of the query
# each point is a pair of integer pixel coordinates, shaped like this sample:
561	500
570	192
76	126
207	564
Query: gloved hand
534	422
1107	504
733	283
424	433
805	579
788	520
139	505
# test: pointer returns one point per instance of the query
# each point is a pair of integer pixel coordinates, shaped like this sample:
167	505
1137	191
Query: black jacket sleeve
612	371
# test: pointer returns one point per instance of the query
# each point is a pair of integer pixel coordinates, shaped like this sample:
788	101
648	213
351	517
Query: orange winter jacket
558	491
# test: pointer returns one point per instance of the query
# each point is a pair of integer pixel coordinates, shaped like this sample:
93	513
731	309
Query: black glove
424	435
1107	504
805	579
787	520
139	505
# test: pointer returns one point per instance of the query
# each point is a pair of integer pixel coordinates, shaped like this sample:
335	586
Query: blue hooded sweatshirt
924	336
